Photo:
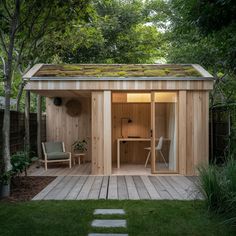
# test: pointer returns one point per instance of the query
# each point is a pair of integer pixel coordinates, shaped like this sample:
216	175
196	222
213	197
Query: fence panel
17	131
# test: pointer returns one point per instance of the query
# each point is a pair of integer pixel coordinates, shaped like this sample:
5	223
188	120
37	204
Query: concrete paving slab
109	223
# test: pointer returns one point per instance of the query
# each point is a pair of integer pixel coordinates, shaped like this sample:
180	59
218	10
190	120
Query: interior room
132	130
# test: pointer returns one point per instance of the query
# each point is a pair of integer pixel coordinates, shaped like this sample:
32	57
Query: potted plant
5	180
80	146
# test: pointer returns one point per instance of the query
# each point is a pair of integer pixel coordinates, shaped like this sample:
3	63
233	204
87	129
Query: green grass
143	217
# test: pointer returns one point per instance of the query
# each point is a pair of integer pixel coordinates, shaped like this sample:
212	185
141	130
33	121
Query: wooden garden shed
135	117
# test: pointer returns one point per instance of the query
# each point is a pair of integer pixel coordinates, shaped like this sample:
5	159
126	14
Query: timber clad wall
197	130
101	133
17	131
193	130
67	129
43	86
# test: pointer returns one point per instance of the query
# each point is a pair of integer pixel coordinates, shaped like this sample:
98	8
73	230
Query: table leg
118	154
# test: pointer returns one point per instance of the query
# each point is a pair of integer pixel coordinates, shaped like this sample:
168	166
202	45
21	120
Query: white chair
158	148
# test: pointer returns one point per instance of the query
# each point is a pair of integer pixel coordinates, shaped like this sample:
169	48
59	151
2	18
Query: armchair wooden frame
46	161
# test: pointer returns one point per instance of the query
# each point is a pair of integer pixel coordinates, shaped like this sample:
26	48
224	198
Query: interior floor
137	169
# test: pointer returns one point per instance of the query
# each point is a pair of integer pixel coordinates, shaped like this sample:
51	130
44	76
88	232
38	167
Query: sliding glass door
164	132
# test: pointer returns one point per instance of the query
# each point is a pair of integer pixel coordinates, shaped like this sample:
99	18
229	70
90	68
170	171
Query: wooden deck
85	169
60	170
120	187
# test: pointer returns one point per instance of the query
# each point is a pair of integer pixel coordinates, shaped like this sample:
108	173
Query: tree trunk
7	87
19	95
6	127
27	122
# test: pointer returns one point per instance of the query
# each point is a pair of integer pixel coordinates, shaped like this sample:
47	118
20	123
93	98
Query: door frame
153	135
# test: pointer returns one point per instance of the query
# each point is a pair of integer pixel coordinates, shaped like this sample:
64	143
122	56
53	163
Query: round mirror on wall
73	107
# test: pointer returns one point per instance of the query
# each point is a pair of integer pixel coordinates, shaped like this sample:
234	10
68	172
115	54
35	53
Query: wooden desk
128	140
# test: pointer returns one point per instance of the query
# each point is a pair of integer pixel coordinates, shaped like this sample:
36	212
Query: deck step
109	223
109	212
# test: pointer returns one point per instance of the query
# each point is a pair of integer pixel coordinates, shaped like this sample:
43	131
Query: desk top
133	139
138	139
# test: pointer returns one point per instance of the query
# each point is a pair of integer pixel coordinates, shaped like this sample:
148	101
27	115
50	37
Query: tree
22	26
117	32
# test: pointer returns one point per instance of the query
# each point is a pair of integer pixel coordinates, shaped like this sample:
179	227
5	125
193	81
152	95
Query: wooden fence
222	123
17	131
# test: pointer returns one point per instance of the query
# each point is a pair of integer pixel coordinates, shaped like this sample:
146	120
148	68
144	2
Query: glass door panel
164	125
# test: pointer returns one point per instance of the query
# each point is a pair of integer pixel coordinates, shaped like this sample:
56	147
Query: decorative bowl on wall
73	107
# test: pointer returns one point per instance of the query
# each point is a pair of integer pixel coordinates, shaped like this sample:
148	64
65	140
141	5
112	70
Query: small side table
78	157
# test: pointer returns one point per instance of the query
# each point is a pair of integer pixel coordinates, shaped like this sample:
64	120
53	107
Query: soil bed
24	188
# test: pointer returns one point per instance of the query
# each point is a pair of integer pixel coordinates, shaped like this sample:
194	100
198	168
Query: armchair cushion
53	147
58	155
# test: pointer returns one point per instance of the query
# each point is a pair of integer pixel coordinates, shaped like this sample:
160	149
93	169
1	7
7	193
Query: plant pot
79	152
4	190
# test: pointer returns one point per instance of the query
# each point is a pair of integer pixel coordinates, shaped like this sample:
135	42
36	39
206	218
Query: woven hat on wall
73	108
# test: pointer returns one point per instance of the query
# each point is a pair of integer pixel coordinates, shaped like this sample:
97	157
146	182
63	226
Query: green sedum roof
119	71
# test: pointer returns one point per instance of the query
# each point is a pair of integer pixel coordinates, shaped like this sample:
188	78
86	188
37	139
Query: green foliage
5	177
36	20
218	185
80	145
117	32
202	32
20	161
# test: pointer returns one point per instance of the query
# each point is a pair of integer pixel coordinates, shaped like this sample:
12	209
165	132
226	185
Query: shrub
20	161
5	178
218	185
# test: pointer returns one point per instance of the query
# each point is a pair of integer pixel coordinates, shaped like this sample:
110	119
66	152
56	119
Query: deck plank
187	185
174	194
104	188
96	188
178	187
72	195
56	190
46	190
150	188
67	188
131	188
112	188
122	188
86	188
160	188
142	191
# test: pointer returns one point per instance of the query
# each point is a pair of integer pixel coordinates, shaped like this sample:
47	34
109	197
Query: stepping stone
109	223
109	212
108	234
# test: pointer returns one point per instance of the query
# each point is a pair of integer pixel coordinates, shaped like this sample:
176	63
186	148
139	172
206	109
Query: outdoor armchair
55	152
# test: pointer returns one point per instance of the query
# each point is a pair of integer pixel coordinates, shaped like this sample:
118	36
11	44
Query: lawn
143	218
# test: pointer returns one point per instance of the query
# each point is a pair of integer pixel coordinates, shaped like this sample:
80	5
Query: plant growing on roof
80	146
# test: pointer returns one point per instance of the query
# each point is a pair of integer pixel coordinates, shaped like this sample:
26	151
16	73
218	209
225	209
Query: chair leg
148	156
70	161
163	158
45	165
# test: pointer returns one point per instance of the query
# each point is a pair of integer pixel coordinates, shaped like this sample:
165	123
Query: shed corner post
107	133
39	125
182	132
